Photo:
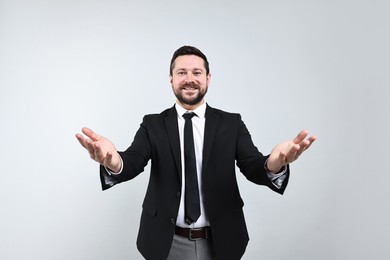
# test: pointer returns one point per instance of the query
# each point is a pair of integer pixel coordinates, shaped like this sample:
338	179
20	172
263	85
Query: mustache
190	85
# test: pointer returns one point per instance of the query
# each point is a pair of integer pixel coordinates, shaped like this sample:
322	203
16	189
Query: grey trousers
184	249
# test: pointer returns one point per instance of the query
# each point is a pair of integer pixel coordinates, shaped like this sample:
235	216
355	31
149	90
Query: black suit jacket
226	142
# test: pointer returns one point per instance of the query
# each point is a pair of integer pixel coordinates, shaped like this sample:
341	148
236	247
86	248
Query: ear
170	79
208	78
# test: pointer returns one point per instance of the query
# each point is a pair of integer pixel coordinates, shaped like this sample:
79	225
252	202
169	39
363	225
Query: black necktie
191	196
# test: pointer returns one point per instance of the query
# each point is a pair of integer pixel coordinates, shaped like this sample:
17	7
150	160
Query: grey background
284	65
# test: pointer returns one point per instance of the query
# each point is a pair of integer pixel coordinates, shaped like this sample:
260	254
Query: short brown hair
188	50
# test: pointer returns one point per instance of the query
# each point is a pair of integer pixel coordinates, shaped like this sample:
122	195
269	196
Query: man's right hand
100	149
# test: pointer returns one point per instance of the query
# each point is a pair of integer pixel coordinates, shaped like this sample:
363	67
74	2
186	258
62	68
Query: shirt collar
200	111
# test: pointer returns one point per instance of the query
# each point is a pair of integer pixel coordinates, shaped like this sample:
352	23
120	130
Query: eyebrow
190	69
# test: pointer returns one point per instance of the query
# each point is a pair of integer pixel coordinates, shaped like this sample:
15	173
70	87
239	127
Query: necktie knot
188	115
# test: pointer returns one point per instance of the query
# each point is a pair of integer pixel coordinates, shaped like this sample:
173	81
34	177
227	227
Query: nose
189	78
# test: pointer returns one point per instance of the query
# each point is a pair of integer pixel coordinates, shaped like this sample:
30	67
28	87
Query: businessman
192	208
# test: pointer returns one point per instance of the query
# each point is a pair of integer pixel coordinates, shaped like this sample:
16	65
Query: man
192	208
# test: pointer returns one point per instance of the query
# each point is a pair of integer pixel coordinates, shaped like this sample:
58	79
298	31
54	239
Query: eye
181	73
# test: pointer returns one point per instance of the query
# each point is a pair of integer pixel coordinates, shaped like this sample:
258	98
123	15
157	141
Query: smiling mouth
190	87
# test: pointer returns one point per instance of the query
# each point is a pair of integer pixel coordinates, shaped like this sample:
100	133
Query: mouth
190	87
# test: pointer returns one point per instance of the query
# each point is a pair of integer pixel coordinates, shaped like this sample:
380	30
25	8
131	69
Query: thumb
282	157
112	162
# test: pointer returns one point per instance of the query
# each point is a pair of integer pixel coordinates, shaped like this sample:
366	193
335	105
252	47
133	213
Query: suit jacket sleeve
251	162
135	158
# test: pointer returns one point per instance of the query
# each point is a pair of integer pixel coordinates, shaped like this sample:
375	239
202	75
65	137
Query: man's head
189	76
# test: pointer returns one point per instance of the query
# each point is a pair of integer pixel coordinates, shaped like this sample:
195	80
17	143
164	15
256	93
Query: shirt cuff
110	172
276	178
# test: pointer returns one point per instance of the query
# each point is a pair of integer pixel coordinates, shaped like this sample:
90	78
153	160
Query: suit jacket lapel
173	135
209	134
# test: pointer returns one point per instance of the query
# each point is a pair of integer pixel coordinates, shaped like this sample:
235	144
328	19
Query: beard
192	100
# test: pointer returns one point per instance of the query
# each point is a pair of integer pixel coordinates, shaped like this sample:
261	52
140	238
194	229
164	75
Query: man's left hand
289	151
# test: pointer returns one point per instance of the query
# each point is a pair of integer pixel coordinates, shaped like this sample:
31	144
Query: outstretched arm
289	151
100	149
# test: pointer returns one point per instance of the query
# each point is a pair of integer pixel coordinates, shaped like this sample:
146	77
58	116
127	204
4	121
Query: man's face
189	81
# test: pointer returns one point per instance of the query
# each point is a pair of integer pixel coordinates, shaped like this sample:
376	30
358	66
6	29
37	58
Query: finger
90	148
292	153
81	140
303	148
312	139
305	144
282	158
99	155
91	134
108	160
300	137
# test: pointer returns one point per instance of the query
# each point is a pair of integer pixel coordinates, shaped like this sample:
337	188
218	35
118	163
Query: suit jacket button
178	194
173	221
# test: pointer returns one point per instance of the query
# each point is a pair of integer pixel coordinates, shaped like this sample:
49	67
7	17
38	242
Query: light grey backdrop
284	65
